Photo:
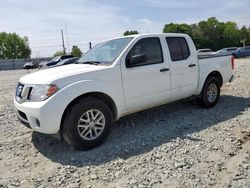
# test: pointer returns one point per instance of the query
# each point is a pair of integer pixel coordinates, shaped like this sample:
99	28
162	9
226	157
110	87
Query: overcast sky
98	20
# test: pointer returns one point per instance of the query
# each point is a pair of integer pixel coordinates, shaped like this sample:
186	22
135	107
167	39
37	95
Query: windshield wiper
91	62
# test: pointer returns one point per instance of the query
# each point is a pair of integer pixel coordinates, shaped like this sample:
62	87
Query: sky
85	21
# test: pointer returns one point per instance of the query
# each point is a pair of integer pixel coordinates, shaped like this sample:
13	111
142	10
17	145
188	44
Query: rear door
184	67
147	83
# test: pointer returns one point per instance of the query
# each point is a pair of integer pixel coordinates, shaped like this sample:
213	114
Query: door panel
144	84
184	68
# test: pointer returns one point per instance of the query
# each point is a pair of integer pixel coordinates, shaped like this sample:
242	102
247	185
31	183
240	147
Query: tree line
12	46
210	33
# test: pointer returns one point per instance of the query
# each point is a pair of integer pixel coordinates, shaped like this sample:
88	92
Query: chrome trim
24	94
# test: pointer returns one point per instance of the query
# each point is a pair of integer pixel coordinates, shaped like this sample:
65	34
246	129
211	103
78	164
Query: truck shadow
141	132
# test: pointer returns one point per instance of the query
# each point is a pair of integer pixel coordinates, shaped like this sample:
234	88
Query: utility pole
63	42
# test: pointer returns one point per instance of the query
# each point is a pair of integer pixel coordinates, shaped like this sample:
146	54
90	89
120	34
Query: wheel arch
98	95
217	75
203	80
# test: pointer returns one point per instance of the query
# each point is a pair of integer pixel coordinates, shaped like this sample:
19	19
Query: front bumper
44	116
23	119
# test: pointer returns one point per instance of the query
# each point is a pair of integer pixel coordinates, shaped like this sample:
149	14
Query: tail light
232	62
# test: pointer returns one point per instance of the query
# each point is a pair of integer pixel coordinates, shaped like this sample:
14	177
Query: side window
150	48
178	48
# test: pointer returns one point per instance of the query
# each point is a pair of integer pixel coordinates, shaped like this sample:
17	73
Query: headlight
42	92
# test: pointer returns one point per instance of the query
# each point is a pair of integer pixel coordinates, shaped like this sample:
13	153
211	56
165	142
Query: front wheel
87	123
210	93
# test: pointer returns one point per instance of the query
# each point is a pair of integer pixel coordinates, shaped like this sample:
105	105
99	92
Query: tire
210	92
87	123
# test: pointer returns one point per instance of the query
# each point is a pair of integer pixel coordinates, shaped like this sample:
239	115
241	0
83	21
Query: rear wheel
87	123
210	93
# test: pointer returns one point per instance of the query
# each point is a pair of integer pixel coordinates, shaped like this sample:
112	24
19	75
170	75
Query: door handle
192	65
164	70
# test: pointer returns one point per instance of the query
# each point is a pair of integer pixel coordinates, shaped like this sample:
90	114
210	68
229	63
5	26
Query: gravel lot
176	145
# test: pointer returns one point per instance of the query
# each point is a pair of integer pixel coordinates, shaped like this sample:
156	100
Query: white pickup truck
116	78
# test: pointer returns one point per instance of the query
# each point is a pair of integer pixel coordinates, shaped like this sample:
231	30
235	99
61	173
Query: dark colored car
242	52
227	51
64	62
29	65
56	59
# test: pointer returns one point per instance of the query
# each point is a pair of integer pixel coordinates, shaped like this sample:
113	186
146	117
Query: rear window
233	49
178	48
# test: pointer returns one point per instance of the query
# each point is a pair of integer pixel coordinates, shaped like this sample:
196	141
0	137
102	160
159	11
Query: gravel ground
176	145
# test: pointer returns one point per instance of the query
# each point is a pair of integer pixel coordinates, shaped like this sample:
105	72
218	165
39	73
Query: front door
146	83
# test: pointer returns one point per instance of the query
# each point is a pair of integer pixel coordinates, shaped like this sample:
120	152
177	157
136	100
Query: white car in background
206	51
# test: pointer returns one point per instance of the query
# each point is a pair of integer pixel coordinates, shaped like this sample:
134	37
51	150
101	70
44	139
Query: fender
203	74
79	88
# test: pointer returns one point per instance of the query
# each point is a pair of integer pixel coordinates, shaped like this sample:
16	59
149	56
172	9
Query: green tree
12	46
126	33
212	33
244	35
231	34
58	53
76	52
177	28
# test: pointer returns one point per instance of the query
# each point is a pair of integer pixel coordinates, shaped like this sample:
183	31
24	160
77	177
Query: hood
47	76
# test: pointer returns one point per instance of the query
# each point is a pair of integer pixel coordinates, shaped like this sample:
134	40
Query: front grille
22	92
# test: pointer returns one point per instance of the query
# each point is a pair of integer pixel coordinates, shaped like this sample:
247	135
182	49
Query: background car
41	64
227	51
64	62
242	52
205	51
29	65
56	59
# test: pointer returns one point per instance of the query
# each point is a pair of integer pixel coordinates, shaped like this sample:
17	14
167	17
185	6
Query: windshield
105	52
232	49
63	61
56	58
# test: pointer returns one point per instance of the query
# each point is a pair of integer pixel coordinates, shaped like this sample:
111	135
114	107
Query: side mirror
136	60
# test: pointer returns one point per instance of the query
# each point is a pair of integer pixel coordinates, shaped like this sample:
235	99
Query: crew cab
118	77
